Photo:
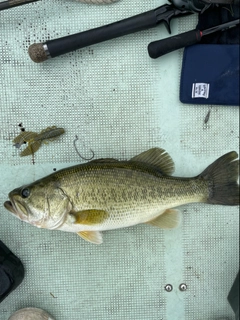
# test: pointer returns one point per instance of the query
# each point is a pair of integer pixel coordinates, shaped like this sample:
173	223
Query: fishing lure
34	140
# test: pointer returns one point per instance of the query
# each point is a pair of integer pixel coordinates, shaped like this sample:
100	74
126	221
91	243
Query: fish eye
25	193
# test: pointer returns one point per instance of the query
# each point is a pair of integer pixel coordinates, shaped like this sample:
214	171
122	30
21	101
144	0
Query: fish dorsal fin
90	217
91	236
169	219
156	157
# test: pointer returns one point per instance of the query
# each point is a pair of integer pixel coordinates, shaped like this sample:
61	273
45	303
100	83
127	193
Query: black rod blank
159	48
14	3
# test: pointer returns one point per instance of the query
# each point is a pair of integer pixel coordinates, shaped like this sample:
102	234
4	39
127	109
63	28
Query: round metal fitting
168	287
182	287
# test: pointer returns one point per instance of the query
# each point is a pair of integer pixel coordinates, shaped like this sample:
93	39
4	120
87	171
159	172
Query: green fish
107	194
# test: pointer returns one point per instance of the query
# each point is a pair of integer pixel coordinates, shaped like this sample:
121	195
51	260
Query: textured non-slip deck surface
119	103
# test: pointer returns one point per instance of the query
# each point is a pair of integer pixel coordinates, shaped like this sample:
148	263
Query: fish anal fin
91	236
90	217
169	219
156	157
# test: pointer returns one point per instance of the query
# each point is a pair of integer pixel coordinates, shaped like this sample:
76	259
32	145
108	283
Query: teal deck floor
119	103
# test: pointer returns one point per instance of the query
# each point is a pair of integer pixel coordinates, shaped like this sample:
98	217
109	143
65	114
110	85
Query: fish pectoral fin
90	217
91	236
169	219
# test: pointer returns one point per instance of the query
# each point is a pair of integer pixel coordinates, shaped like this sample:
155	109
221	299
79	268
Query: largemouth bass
108	194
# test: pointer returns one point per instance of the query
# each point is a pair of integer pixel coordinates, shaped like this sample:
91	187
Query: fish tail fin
223	176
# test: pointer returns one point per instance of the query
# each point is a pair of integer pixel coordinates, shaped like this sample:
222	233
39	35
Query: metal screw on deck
182	287
168	287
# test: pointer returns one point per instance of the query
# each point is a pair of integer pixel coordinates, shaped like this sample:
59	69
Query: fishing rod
158	48
13	3
40	52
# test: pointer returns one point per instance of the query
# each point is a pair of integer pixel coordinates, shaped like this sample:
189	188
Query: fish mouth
10	207
16	208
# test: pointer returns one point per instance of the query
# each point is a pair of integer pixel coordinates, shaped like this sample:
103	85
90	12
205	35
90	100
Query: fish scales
136	190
